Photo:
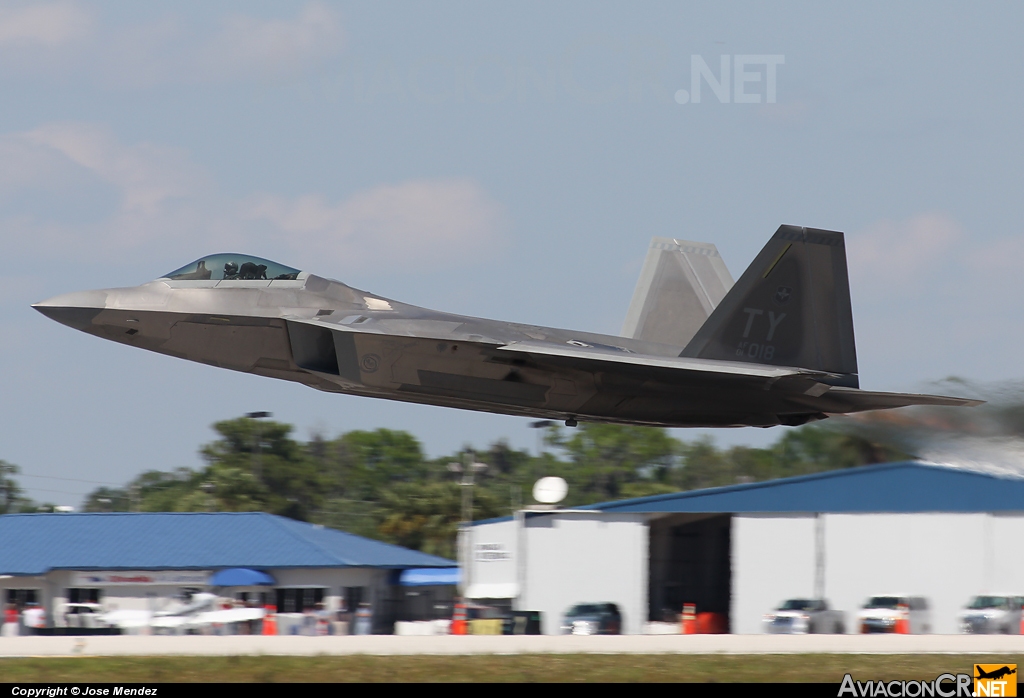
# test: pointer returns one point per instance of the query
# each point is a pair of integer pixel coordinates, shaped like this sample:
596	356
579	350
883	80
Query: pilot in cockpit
230	271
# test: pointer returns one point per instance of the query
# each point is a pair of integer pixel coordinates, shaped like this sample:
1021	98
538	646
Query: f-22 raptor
775	348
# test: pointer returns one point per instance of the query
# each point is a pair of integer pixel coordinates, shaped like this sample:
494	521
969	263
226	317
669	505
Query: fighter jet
775	348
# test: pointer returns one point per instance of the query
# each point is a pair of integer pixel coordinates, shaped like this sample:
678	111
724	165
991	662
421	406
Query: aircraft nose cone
74	309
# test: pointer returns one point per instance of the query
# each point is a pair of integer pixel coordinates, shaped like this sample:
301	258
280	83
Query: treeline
380	484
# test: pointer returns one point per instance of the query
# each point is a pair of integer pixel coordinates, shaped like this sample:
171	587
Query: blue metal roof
906	487
36	543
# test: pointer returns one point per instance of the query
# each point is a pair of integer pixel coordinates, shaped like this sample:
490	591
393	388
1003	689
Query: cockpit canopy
233	267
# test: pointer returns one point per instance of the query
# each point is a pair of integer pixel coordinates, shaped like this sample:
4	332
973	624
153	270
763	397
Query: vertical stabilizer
791	307
680	285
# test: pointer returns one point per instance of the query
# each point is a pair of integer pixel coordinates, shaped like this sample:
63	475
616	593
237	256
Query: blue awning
430	577
241	577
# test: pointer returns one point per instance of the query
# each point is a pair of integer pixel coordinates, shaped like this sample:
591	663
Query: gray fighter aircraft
775	348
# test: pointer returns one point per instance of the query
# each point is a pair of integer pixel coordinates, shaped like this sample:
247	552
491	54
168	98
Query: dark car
592	619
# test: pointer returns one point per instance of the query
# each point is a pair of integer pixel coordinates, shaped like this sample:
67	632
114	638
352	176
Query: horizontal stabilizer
851	400
680	285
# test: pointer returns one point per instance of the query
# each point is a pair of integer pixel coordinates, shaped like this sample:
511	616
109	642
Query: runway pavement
193	645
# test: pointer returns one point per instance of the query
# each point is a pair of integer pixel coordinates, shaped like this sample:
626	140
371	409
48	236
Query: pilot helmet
230	268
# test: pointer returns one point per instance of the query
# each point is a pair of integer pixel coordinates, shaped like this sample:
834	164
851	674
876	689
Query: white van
882	614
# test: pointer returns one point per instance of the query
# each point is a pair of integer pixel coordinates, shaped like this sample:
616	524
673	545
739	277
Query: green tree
12	498
162	491
427	516
604	458
107	499
703	465
363	463
815	448
256	466
358	468
380	485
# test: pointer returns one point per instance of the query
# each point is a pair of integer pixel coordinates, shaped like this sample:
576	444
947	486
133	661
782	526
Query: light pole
208	488
468	468
256	445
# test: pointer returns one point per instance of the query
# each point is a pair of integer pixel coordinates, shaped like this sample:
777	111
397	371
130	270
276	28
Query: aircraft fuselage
776	348
332	337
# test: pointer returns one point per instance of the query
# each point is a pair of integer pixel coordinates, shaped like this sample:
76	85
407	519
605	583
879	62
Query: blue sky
507	161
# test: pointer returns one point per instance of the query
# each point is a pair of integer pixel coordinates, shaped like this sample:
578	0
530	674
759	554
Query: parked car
999	613
84	615
592	619
804	616
884	613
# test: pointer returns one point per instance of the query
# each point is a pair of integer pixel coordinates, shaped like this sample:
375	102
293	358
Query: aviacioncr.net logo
944	686
995	680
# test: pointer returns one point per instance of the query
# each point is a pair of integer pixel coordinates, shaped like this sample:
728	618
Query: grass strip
546	668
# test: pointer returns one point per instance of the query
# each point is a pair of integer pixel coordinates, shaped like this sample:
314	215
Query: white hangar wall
946	557
569	558
580	558
772	559
493	572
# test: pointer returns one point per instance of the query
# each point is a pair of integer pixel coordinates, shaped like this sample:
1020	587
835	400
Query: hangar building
144	561
899	528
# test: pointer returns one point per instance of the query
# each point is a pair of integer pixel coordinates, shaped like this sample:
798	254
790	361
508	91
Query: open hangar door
690	563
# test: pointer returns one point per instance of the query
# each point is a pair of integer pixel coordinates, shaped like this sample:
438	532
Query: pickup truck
804	616
999	613
883	613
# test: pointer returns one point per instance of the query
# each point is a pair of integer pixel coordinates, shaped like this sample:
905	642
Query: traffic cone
903	621
269	621
689	624
459	620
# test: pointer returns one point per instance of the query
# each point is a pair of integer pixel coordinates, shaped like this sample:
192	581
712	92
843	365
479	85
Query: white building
902	528
147	561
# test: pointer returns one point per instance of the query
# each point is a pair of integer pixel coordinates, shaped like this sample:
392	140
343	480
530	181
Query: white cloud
409	223
160	199
48	24
895	252
249	44
147	175
61	39
156	191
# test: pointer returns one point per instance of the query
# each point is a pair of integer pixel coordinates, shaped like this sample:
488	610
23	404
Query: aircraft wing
126	619
229	615
795	381
572	355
